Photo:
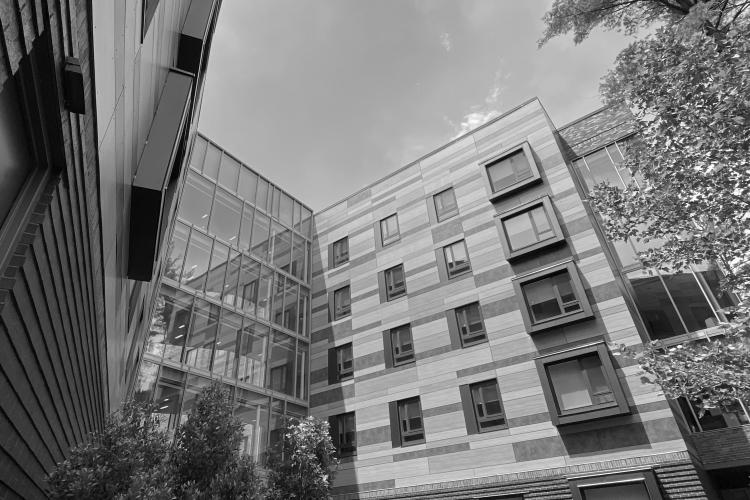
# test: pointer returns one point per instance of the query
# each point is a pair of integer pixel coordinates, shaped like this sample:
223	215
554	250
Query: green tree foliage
304	467
581	16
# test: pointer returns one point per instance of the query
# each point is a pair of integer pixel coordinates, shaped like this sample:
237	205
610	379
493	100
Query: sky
324	97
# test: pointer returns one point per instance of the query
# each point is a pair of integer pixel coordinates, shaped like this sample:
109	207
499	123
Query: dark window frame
455	327
647	477
440	217
391	292
525	149
544	202
343	373
454	273
400	358
562	417
335	422
341	258
392	239
339	311
471	416
578	289
396	410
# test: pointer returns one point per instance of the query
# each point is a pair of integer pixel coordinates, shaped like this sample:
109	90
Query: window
733	414
470	324
344	434
529	227
483	407
581	384
552	297
340	363
456	258
407	427
394	282
197	196
400	345
445	204
511	171
638	485
389	230
342	303
339	252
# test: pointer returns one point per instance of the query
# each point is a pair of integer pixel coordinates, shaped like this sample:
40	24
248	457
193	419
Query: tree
628	16
687	85
305	465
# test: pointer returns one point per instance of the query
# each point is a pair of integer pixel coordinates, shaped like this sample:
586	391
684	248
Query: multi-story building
98	103
455	320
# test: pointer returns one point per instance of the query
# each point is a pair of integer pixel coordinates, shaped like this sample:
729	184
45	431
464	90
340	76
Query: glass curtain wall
234	301
670	303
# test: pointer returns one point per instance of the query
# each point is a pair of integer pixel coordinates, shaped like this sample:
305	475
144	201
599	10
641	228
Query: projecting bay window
511	171
407	427
529	227
552	296
344	434
483	407
581	384
636	485
456	259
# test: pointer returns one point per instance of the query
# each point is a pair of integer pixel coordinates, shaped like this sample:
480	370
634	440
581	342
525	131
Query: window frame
453	273
410	356
578	485
440	217
472	340
396	412
525	148
393	238
569	266
341	351
472	418
341	312
336	426
393	294
558	417
344	258
546	203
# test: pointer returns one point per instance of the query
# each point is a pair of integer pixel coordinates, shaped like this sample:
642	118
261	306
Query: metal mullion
614	166
587	380
702	285
671	300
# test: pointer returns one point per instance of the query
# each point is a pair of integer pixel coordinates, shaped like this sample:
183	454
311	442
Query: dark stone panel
441	410
577	226
322	334
602	440
419	269
369	326
538	449
431	452
536	418
447	229
374	435
604	292
433	352
356	488
362	259
478	229
498	307
493	275
365	295
331	395
318	375
369	360
663	429
427	319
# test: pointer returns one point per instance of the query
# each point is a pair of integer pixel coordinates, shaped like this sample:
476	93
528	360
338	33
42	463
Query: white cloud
479	114
445	41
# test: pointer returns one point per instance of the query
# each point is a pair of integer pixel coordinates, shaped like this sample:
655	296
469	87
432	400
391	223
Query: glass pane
211	165
230	171
276	432
389	228
259	244
712	278
264	293
16	160
196	262
564	289
602	169
569	385
169	324
298	257
286	210
247	185
509	170
634	491
199	153
281	364
193	387
541	299
248	285
226	344
275	202
225	217
583	170
252	354
246	412
520	231
600	391
302	311
169	396
261	199
297	215
301	378
290	305
246	228
195	205
306	226
217	270
656	310
233	273
144	385
176	251
457	255
202	335
692	305
541	223
282	247
445	203
277	311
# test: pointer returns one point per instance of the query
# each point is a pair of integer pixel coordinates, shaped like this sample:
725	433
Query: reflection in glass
301	379
510	170
551	297
233	274
230	170
202	334
193	387
225	218
259	242
196	262
252	353
303	313
298	257
654	304
579	383
248	184
197	196
277	310
276	433
528	228
264	293
306	227
282	247
246	228
251	410
286	208
281	364
631	491
176	251
247	295
211	165
261	199
169	323
227	341
290	305
168	396
216	271
199	153
712	279
275	206
692	305
146	381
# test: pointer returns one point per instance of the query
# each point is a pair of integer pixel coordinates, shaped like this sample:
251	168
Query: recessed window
402	345
407	427
470	324
529	227
342	303
389	232
511	171
639	485
340	252
344	434
445	204
552	297
483	407
344	361
395	282
581	384
456	258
